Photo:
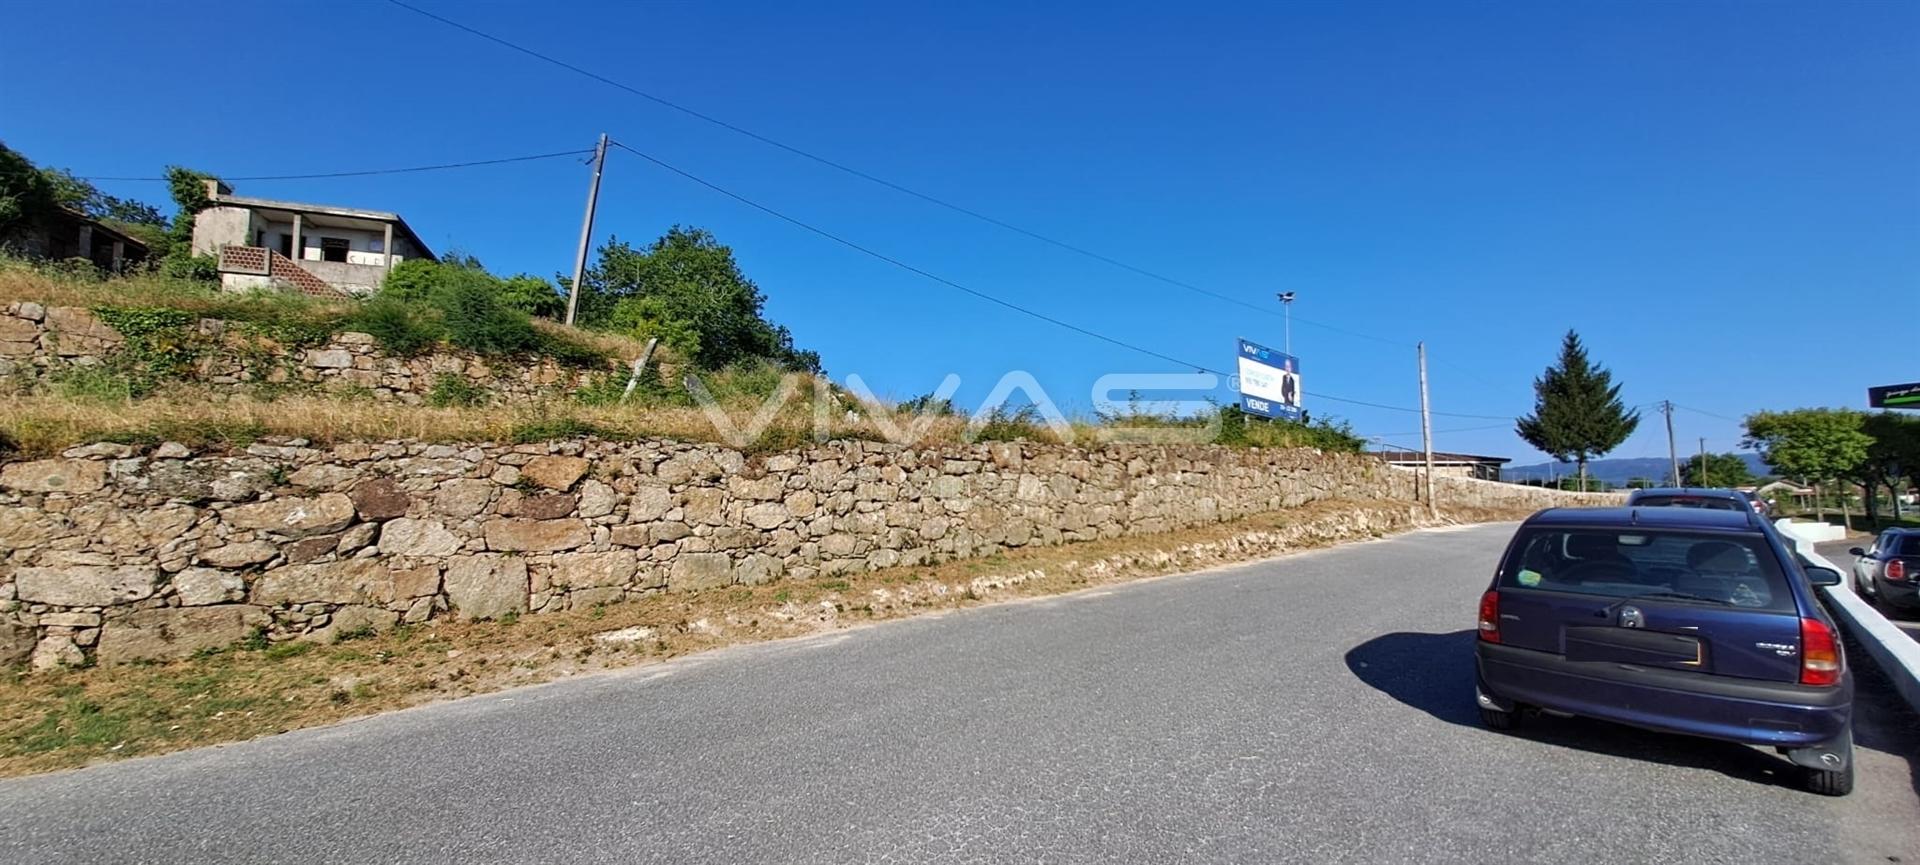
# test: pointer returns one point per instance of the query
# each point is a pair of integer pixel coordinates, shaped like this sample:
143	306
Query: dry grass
41	424
615	345
71	718
23	281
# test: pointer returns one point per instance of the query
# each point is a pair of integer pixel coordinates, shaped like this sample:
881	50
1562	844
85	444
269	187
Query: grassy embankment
142	394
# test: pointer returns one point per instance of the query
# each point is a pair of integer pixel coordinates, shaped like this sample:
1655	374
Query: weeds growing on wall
453	389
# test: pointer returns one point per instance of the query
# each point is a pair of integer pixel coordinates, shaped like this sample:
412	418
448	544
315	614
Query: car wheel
1498	720
1829	782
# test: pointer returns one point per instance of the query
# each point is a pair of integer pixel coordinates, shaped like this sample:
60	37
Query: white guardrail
1896	653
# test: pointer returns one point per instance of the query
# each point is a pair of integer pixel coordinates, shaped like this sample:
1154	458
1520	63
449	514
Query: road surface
1315	708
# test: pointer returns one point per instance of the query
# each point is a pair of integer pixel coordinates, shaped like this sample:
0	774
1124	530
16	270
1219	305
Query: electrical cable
909	191
881	181
798	223
1708	413
373	171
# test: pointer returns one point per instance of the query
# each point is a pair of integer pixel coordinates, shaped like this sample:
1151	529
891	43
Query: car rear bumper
1747	711
1905	594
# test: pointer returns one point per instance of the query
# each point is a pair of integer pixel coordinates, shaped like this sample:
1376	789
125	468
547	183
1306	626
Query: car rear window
1709	502
1717	569
1907	545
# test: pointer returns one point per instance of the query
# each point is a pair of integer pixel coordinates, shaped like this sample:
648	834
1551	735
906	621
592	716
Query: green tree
687	290
80	195
1577	413
26	196
189	190
1721	470
1815	445
1893	460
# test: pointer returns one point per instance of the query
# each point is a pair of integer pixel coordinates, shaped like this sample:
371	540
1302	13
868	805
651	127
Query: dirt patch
76	717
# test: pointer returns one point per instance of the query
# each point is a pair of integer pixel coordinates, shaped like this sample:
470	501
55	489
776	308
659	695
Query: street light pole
1286	307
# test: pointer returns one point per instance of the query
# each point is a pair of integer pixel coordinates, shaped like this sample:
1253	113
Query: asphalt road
1836	552
1315	708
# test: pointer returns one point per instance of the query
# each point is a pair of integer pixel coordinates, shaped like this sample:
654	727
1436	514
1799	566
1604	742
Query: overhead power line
864	250
373	171
911	192
1438	431
880	181
1708	413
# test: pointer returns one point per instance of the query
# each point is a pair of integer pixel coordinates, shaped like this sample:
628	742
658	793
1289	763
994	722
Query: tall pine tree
1577	413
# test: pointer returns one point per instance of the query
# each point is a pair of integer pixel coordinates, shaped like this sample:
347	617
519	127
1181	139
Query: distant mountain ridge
1617	471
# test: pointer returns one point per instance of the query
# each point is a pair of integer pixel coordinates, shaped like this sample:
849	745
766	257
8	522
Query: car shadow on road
1434	673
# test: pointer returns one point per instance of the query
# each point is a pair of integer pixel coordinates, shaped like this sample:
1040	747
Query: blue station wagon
1682	620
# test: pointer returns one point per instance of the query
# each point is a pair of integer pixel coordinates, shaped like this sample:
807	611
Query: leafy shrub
927	403
453	389
399	327
1005	424
160	344
1238	428
480	312
478	321
193	268
751	380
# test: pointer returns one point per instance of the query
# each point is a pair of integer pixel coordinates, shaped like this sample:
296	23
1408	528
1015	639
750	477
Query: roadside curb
1896	654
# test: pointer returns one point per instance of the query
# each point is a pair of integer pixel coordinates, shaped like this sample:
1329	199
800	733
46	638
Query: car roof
1650	518
1699	492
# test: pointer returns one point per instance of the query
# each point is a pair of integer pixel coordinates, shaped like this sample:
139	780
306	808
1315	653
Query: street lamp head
1286	297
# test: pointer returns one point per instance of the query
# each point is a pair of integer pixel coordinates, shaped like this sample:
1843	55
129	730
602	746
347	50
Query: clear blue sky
1723	198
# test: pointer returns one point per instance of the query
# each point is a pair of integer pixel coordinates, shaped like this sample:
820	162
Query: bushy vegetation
1239	428
687	290
424	303
452	389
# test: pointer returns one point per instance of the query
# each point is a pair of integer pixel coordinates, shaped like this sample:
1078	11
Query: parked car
1696	497
1887	571
1692	620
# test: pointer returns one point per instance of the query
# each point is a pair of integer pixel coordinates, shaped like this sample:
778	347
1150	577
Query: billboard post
1269	382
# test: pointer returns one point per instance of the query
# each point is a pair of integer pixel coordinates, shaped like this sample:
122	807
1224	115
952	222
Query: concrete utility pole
1703	463
1672	455
1426	429
586	228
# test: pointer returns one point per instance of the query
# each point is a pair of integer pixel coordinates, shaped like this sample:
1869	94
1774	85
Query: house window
333	249
286	245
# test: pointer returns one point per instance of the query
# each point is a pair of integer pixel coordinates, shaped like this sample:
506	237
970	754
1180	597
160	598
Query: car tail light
1896	570
1490	616
1819	654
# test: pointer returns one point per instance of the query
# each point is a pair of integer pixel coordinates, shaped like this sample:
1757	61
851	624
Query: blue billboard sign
1269	382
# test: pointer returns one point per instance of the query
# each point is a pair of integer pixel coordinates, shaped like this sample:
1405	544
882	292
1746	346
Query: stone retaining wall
36	341
116	553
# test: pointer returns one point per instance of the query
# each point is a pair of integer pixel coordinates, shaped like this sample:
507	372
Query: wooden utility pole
1673	456
1426	429
586	228
1703	463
